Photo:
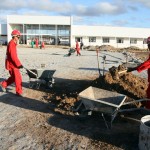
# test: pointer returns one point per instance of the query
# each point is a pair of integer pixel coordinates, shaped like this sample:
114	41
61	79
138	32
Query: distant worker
13	65
42	45
81	45
32	43
145	65
36	43
77	48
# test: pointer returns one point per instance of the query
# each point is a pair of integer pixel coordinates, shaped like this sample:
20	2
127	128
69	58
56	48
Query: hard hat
148	40
15	33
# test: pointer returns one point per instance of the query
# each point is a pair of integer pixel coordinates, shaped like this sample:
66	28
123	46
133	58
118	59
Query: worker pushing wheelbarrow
70	52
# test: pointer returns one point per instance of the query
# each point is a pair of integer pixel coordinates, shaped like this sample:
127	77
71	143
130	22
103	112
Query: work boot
2	88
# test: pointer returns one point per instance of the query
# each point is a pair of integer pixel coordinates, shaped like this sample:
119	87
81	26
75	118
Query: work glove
20	67
131	69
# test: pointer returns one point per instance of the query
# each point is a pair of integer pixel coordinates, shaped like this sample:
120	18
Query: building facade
60	30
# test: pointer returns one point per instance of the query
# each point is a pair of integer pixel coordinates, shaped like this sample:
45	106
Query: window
92	39
31	29
63	30
105	40
133	41
79	39
119	40
48	30
18	27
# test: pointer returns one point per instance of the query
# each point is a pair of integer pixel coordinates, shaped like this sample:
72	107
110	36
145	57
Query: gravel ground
29	122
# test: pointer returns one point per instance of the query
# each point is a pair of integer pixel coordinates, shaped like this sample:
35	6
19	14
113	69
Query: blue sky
128	13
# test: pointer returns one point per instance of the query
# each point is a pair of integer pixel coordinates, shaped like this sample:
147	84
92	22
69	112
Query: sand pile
102	48
126	83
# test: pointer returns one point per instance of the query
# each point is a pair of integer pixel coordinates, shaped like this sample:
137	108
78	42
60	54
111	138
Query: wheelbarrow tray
41	73
40	76
101	100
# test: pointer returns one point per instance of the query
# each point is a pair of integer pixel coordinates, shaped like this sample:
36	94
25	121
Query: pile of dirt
132	49
107	48
62	102
126	83
102	48
112	48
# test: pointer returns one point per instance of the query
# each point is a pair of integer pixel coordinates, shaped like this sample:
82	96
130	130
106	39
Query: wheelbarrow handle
30	71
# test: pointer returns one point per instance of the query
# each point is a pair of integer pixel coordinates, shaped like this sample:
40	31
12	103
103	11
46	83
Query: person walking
13	64
145	65
36	43
42	45
32	43
81	45
78	48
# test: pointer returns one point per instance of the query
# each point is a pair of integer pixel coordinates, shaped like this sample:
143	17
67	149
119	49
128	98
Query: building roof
55	20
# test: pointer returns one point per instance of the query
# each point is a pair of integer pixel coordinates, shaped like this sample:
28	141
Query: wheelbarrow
70	52
38	77
106	102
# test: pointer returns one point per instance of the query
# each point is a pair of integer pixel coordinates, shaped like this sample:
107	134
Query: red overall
77	48
12	63
143	66
36	43
43	45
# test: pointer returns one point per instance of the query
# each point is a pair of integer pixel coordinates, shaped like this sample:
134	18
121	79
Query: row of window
52	30
107	40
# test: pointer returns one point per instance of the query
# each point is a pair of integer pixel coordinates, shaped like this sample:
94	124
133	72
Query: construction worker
77	48
36	43
13	65
42	45
32	43
81	45
145	65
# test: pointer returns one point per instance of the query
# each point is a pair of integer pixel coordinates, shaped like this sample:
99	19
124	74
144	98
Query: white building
3	34
60	30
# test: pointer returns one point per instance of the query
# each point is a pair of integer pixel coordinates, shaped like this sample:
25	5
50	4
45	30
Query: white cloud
144	2
65	7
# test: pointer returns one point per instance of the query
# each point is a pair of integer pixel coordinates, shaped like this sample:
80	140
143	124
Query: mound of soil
128	84
125	83
107	48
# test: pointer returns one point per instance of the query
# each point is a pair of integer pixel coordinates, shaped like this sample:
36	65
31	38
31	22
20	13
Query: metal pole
98	61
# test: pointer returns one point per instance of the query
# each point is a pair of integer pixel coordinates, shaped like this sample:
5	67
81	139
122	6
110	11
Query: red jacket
145	65
12	60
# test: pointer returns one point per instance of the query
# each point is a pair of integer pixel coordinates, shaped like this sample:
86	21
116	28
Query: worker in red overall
36	43
13	65
145	65
42	45
77	48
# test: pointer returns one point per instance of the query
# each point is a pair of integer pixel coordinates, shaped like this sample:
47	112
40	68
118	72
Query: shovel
124	71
